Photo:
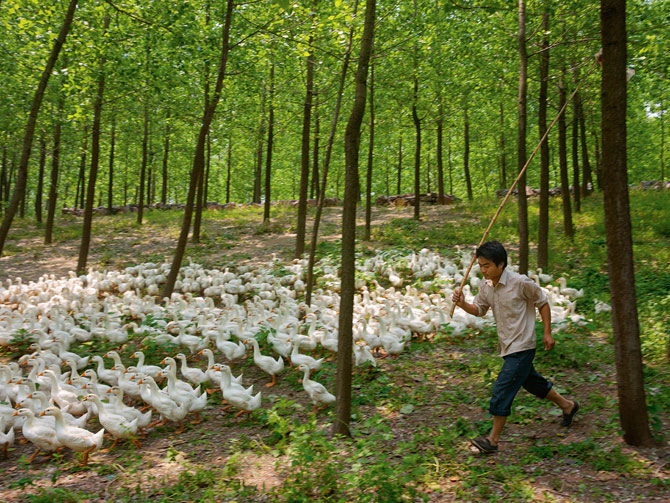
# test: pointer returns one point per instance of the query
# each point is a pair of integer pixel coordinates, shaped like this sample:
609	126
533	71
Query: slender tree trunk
587	179
199	157
314	190
440	166
166	151
95	158
309	283
451	166
399	166
79	195
207	165
466	153
229	167
503	154
3	179
521	141
197	219
417	151
599	168
40	178
627	353
352	144
22	176
662	154
110	186
543	227
563	160
304	155
55	161
258	172
145	159
371	146
575	155
268	155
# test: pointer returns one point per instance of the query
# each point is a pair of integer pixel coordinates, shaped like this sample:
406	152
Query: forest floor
412	416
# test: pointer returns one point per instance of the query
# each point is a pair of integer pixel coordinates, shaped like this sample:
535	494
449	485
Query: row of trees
135	81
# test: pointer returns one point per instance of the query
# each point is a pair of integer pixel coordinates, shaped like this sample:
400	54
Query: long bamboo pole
523	170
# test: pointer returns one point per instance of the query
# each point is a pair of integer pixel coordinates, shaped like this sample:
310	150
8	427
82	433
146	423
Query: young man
513	298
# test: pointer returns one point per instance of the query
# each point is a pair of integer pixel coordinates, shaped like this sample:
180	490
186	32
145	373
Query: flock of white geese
50	392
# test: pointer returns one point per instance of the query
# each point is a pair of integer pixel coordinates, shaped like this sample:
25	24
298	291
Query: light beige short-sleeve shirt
513	301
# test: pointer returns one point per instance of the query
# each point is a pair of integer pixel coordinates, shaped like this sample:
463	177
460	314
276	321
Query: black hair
493	251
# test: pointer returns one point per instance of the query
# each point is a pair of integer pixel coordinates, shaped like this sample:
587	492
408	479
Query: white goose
116	424
317	392
77	439
266	363
40	433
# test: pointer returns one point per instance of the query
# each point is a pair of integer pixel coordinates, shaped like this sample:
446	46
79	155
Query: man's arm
548	339
458	298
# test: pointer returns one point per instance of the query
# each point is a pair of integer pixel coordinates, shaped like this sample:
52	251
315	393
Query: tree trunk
207	165
3	179
79	195
451	166
40	178
503	155
22	176
521	141
166	151
258	172
199	157
110	186
466	153
145	159
268	155
95	158
309	283
628	356
314	188
195	238
575	155
599	168
352	144
543	227
229	167
586	165
440	166
304	154
371	145
55	161
563	160
417	151
399	165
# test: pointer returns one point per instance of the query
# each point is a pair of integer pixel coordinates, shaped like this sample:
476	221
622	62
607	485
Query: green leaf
408	408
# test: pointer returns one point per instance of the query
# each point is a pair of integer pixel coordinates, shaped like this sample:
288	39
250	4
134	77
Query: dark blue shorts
517	371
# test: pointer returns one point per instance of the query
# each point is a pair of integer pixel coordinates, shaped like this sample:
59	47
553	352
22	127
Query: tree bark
563	160
352	144
309	283
22	176
543	227
304	154
521	141
199	157
371	146
599	168
95	160
268	155
628	356
195	237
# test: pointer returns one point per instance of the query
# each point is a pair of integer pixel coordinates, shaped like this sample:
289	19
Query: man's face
489	269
